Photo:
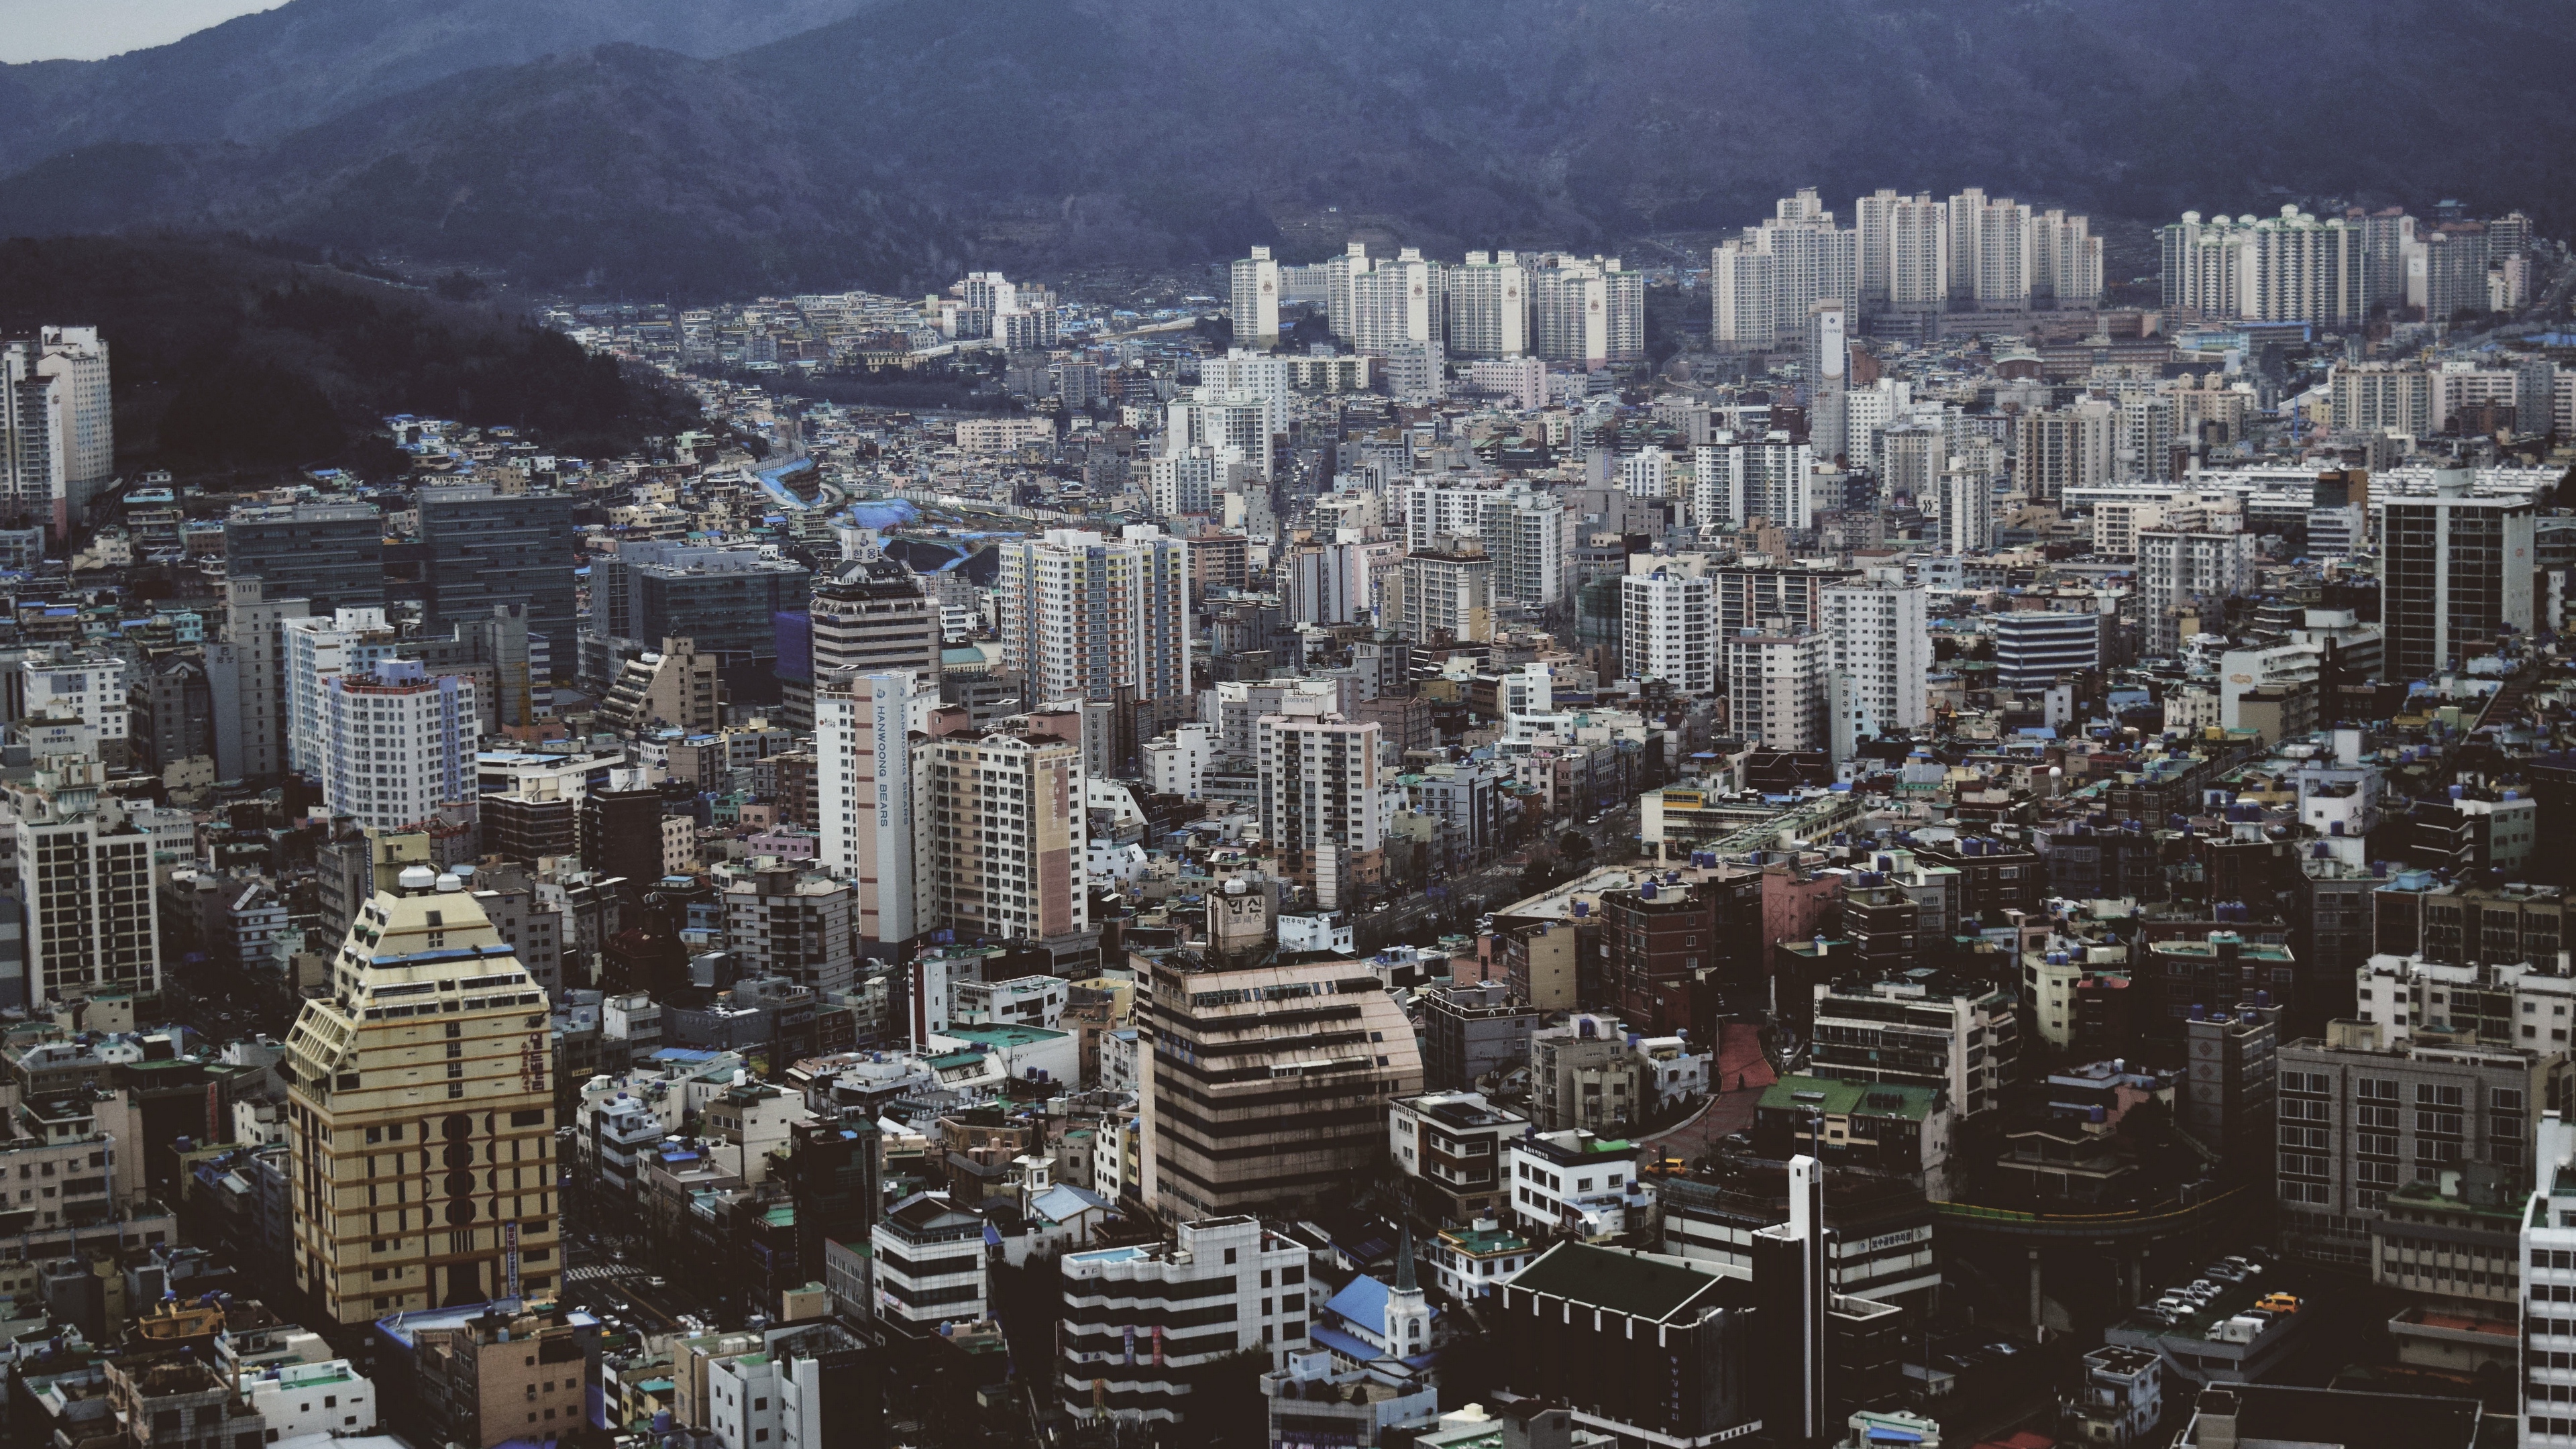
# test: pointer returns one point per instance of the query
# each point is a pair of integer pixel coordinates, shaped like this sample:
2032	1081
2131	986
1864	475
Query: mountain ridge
909	138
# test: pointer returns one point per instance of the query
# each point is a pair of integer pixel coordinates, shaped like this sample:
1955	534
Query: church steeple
1404	1261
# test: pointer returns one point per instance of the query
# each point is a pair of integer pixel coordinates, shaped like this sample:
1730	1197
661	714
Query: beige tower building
420	1122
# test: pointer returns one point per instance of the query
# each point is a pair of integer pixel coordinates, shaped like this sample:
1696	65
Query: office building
1488	306
1291	1110
1256	299
1777	685
481	547
2457	571
2188	577
1087	617
331	555
1140	1325
2034	647
395	744
675	687
2372	1117
1881	656
726	600
422	1050
57	425
1762	283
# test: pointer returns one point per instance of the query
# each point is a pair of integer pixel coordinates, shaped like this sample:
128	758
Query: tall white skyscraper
1739	480
2287	268
1761	284
1084	615
1668	623
2065	260
1488	308
1319	783
1340	275
57	424
1967	509
863	741
1256	299
1882	660
397	743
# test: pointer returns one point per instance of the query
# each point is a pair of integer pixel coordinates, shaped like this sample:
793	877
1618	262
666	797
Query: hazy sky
88	29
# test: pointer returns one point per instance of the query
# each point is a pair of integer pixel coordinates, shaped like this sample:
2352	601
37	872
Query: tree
1574	845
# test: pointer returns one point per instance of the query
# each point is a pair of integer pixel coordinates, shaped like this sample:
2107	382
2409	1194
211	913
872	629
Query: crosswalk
595	1272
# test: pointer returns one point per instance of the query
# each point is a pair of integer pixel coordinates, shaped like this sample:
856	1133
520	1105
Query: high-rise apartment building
1395	304
1776	686
1085	616
481	547
57	425
1742	480
1236	426
1488	306
246	679
1965	510
332	555
1319	784
83	876
2456	570
1587	312
1902	252
1267	1086
1001	817
2056	449
1256	299
2292	267
2065	260
1881	658
1526	535
396	743
1447	595
1668	624
2455	270
2545	1282
319	649
420	1118
2179	570
2143	441
1762	282
871	832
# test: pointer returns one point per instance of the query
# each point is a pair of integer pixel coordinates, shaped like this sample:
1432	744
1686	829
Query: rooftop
1641	1285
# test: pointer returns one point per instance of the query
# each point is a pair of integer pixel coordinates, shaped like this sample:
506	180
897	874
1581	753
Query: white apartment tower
1881	642
2177	568
1395	304
1762	282
1256	299
1488	311
1740	480
84	880
1319	783
1776	686
317	651
2061	448
57	424
1084	615
396	743
1587	312
1902	251
1668	625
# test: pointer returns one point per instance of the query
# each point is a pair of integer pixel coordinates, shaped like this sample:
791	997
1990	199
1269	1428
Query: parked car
2278	1302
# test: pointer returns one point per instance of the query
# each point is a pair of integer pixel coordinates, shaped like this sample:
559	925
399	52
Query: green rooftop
999	1037
1839	1097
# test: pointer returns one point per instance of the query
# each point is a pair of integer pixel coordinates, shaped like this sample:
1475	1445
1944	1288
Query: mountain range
732	145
